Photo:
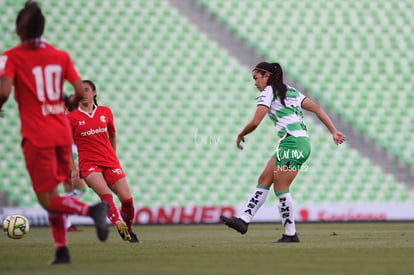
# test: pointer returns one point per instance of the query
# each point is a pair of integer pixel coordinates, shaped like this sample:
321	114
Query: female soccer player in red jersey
93	132
37	71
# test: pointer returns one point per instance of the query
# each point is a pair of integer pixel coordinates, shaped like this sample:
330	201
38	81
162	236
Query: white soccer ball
16	226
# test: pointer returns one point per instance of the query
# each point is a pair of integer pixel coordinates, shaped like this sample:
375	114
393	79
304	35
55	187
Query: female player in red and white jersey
37	71
93	132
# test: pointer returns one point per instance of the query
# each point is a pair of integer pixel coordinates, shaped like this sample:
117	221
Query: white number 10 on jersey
48	82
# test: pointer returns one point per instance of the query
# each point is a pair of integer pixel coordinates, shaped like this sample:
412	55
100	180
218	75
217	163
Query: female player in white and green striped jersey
283	104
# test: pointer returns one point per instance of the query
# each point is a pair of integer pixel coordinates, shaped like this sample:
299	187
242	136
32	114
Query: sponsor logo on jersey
94	131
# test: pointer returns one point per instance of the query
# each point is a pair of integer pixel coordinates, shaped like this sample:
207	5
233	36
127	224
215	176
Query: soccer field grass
330	248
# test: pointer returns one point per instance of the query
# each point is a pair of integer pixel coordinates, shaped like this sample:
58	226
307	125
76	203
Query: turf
330	248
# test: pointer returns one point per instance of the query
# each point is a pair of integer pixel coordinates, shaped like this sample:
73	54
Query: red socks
113	213
127	212
68	205
60	206
57	224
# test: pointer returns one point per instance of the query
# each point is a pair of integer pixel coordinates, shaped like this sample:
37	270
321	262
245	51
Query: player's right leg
97	182
121	188
48	167
57	227
254	202
74	189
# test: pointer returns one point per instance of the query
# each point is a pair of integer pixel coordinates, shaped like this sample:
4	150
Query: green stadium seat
166	81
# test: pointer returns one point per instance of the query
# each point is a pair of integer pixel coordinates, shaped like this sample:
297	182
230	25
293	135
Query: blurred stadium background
176	74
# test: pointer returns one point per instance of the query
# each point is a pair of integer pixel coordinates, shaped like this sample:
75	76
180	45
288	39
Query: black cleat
235	223
134	238
288	239
61	257
98	213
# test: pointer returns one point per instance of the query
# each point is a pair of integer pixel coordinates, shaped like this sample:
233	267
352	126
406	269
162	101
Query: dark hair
275	79
66	100
93	87
30	22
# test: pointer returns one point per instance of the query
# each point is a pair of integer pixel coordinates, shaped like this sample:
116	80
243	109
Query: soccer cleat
235	223
61	257
288	239
98	213
134	238
123	231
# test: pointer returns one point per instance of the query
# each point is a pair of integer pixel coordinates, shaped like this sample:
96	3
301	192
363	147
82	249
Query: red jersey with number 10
90	134
38	75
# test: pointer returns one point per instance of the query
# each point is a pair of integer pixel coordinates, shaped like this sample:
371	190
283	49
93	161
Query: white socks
255	201
286	211
285	206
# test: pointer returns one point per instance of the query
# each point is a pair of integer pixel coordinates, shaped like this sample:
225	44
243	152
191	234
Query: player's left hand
240	139
338	137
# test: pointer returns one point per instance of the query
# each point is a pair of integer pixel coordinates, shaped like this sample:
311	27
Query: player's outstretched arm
261	111
310	106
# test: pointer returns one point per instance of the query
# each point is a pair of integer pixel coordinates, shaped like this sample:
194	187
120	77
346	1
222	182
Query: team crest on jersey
103	118
82	122
261	98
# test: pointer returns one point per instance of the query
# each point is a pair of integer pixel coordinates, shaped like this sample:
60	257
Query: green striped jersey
287	119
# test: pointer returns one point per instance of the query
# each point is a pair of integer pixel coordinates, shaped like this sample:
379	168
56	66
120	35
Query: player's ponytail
30	22
278	85
275	79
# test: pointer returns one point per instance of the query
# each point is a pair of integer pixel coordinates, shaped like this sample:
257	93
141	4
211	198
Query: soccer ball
16	226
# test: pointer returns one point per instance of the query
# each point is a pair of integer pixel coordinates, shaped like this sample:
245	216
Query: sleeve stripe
302	100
